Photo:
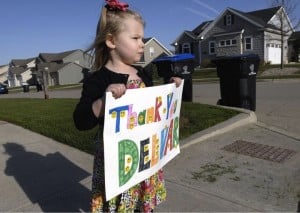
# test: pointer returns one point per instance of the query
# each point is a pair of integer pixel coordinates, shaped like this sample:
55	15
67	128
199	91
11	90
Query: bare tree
289	10
290	7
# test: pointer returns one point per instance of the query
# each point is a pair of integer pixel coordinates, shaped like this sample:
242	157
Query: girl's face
129	46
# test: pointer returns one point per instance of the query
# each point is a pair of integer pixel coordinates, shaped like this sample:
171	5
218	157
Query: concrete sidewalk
40	174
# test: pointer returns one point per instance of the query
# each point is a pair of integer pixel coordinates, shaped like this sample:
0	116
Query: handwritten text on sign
141	134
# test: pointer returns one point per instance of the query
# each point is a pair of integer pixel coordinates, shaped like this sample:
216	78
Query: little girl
118	45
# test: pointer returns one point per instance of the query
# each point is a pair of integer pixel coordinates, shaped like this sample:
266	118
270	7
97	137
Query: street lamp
45	82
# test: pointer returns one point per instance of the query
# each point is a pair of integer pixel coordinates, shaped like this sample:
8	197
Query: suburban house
3	73
235	32
294	47
67	67
152	50
20	71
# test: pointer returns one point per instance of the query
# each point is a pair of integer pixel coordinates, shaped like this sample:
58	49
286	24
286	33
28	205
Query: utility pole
45	82
281	37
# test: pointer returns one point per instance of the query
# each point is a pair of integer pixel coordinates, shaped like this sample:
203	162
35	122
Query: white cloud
207	6
197	12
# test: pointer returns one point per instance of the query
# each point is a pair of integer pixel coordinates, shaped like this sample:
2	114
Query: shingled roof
145	40
52	66
200	27
195	32
21	62
17	70
51	57
265	15
260	17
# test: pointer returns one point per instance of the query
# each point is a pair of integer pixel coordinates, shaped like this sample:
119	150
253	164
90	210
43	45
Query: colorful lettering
128	160
117	113
163	139
132	118
155	150
144	155
176	133
169	143
150	115
169	101
142	117
158	104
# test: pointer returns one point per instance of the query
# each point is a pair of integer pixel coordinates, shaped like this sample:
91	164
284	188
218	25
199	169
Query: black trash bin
25	87
181	65
237	76
39	87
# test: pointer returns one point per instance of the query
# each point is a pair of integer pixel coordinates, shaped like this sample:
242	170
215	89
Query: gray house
67	67
20	71
153	49
3	73
294	47
235	32
63	68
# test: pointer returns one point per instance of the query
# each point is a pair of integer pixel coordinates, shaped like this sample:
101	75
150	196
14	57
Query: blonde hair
110	23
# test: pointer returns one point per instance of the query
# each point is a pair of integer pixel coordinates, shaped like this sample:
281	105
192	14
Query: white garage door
274	55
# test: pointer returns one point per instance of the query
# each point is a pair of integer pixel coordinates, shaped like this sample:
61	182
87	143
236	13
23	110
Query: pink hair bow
116	5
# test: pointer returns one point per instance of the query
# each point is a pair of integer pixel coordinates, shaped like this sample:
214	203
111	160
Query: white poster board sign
141	134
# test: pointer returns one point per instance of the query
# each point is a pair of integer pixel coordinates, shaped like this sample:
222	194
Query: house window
212	49
186	48
226	43
273	45
151	51
248	43
228	20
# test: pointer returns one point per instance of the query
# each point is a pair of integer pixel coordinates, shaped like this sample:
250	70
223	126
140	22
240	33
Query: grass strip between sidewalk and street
53	118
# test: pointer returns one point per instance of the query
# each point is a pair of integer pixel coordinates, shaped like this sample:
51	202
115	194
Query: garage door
274	55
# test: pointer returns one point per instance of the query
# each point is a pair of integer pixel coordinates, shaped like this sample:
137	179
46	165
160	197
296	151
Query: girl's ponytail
102	21
100	49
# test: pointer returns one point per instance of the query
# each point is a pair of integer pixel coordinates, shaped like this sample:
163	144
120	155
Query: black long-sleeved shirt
94	88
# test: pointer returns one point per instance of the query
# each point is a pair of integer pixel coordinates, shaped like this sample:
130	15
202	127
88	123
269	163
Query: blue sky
30	27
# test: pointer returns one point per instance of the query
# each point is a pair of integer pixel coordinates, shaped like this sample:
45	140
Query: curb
279	131
244	118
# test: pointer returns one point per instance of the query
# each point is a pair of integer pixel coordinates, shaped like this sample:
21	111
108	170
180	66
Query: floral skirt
142	197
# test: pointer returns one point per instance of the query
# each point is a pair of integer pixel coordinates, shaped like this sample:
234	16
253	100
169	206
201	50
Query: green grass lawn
53	118
211	73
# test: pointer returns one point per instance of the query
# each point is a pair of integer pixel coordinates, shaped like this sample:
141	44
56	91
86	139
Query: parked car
3	89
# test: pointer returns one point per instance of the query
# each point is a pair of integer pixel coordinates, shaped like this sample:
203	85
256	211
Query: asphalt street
277	102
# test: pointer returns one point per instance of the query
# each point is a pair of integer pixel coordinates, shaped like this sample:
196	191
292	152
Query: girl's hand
176	80
117	90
